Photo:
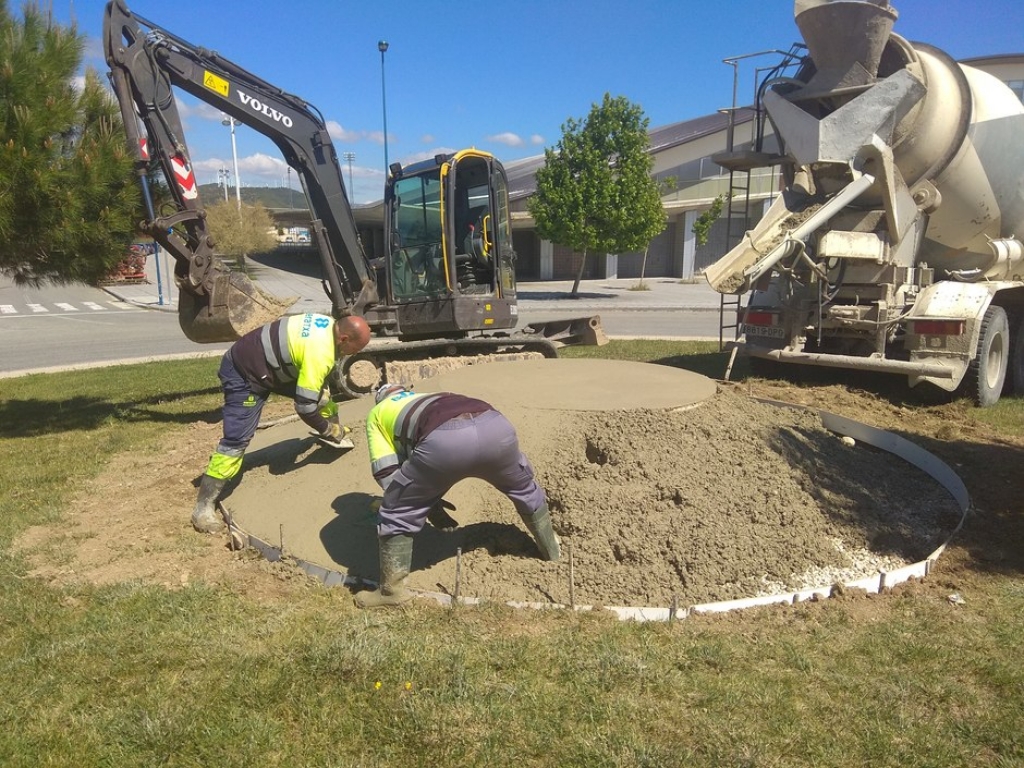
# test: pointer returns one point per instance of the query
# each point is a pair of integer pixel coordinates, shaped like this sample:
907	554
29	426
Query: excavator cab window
471	208
417	270
501	235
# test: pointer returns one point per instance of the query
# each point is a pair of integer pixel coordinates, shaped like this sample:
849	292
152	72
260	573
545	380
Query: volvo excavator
445	285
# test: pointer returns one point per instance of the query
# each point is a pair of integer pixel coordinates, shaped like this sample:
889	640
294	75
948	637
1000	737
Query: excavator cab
450	244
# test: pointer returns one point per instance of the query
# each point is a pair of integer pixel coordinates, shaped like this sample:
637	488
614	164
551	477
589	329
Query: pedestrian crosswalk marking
65	306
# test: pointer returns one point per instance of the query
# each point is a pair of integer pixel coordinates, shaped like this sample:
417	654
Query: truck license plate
765	331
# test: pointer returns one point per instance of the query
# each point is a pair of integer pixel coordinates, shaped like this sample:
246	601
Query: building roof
522	173
999	58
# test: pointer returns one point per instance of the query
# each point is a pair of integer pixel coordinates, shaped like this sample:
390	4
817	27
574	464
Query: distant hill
271	197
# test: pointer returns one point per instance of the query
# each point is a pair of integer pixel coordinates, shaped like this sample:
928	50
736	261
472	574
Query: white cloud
261	165
200	110
536	139
429	155
427	138
255	170
508	138
339	133
210	165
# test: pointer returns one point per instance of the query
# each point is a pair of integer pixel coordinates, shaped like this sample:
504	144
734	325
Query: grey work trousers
482	445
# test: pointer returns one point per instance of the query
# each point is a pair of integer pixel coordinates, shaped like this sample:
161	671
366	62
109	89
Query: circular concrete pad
314	501
576	385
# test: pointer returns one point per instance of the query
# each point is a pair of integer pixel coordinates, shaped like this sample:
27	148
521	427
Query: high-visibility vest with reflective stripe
300	348
391	428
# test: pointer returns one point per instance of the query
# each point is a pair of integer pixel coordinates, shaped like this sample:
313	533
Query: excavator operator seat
474	245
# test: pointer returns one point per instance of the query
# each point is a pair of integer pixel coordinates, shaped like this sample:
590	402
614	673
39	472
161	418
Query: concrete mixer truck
895	244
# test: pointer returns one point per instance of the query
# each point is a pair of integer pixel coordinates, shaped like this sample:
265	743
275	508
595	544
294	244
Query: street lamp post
382	46
350	156
234	156
291	203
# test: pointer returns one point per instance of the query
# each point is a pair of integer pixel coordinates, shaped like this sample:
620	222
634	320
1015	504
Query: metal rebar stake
572	578
458	575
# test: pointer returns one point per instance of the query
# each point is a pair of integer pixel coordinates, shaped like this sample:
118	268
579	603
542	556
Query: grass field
134	674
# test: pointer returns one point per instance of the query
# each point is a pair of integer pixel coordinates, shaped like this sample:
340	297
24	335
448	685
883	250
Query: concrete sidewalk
293	275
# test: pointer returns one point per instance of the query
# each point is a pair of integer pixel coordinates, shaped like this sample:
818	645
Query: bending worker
291	356
420	446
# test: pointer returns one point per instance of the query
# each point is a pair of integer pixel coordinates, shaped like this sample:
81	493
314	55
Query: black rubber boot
539	523
395	563
206	518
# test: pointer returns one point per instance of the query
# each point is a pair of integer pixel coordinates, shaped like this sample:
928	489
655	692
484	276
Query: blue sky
501	76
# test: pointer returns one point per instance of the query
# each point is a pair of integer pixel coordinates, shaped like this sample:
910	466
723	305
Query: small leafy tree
664	186
241	230
595	191
702	224
68	198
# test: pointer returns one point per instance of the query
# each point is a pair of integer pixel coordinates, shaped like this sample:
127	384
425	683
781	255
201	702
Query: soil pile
732	498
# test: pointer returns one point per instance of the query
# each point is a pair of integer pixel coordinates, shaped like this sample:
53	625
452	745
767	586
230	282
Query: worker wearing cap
420	446
291	356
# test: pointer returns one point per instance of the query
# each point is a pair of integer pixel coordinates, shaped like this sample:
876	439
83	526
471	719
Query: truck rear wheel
986	373
1017	360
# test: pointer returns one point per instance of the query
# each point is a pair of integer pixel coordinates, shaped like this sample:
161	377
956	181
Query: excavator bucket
233	307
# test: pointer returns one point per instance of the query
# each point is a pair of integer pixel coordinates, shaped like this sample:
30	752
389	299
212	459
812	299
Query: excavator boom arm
146	61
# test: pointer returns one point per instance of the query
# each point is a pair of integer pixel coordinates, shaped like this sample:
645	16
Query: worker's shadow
350	539
292	454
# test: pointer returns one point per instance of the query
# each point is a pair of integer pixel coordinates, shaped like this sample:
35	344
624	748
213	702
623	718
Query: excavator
445	286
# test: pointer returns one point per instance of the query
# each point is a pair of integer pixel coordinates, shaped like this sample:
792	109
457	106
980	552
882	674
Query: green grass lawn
140	675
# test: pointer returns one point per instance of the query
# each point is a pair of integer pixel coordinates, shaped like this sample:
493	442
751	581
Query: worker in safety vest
420	446
292	356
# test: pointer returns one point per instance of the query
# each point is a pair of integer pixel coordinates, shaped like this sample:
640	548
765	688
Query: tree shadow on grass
36	416
710	364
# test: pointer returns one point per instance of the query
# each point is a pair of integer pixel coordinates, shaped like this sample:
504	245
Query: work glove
328	408
335	435
439	517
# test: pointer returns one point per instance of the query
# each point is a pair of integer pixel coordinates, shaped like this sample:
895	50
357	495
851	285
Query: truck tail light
760	318
937	327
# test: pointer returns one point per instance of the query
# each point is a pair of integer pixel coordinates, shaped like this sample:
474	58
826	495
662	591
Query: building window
1017	86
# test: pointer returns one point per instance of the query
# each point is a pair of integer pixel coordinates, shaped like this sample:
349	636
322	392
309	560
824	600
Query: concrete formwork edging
913	454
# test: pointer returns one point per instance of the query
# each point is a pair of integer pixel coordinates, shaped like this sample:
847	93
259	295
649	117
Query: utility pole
234	155
222	178
350	156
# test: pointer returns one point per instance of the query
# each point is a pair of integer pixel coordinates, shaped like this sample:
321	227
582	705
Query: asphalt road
62	327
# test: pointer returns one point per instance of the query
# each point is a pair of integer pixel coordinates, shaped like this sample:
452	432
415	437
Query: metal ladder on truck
740	164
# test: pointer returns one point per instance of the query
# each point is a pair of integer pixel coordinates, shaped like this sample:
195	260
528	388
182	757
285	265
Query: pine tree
68	199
